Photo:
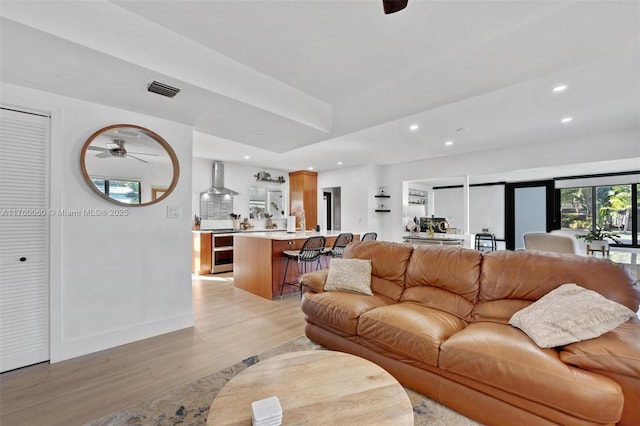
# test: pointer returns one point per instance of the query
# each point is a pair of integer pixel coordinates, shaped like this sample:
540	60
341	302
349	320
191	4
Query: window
613	204
576	208
124	191
608	206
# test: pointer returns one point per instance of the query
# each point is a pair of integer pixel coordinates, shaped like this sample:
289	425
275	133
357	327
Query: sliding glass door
614	208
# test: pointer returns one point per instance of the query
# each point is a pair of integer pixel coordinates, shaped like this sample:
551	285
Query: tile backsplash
216	207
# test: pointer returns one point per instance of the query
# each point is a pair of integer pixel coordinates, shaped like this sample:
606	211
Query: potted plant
598	239
268	216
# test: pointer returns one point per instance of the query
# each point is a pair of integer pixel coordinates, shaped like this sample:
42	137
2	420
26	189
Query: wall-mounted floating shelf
266	177
381	207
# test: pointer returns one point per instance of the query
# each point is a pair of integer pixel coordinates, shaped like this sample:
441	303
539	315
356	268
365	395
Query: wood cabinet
303	195
201	253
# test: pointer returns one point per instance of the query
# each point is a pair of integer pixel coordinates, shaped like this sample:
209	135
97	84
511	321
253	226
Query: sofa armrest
314	281
617	351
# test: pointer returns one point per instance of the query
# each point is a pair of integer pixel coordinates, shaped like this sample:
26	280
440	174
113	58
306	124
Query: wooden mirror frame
156	137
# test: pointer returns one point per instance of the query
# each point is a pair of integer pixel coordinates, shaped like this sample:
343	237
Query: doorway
331	209
529	207
326	197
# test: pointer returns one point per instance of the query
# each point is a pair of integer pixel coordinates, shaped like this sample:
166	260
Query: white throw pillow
569	314
349	275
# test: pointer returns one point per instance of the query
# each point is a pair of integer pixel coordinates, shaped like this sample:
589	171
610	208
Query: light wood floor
230	325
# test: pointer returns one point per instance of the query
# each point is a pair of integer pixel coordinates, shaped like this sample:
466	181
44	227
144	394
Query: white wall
113	279
358	185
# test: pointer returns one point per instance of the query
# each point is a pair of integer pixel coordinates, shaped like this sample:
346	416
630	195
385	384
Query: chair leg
284	279
301	270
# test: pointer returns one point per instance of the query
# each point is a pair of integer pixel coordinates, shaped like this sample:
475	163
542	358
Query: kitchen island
259	265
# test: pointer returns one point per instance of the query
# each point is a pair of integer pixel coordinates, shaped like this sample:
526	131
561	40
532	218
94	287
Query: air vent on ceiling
163	89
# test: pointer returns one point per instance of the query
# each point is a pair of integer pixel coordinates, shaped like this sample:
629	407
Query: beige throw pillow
569	314
349	275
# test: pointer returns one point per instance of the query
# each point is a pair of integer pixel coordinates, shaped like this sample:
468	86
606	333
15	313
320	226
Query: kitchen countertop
284	235
235	231
435	237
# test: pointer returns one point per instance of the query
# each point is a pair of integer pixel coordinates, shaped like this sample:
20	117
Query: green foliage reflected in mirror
265	202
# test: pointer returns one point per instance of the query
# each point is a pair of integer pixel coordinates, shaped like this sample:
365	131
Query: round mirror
129	165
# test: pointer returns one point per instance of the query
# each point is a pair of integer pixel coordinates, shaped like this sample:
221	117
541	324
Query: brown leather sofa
438	321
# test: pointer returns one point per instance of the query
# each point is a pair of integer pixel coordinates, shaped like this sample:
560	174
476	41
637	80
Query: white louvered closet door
24	283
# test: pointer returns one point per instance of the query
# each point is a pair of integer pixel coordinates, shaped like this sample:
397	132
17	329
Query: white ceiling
301	83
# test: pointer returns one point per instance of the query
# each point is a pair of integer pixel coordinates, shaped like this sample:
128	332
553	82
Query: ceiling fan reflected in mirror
393	6
116	149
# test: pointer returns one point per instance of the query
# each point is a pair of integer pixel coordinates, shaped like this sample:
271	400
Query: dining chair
310	253
369	236
338	246
485	242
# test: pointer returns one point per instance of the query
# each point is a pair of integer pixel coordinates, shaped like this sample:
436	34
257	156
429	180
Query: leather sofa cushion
617	351
445	278
504	357
529	275
409	330
388	264
339	309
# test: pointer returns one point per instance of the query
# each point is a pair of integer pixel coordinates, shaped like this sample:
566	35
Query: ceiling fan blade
139	159
143	153
97	148
104	154
393	6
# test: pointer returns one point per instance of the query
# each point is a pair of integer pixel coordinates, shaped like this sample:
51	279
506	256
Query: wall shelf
380	204
417	197
266	177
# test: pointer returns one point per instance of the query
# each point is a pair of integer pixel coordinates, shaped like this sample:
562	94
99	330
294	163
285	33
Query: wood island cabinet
303	195
259	264
201	252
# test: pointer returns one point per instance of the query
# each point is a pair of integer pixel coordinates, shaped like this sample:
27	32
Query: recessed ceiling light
246	157
310	167
448	143
339	163
567	119
559	88
414	127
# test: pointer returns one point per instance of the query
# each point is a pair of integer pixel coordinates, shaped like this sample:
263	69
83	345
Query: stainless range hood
217	184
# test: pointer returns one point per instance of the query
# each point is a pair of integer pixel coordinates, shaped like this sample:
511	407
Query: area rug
189	405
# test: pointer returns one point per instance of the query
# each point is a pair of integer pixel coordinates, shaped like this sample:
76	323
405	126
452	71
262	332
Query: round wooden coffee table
315	387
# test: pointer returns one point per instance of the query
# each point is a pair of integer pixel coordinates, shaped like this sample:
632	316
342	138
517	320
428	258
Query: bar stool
310	252
338	246
369	236
486	242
